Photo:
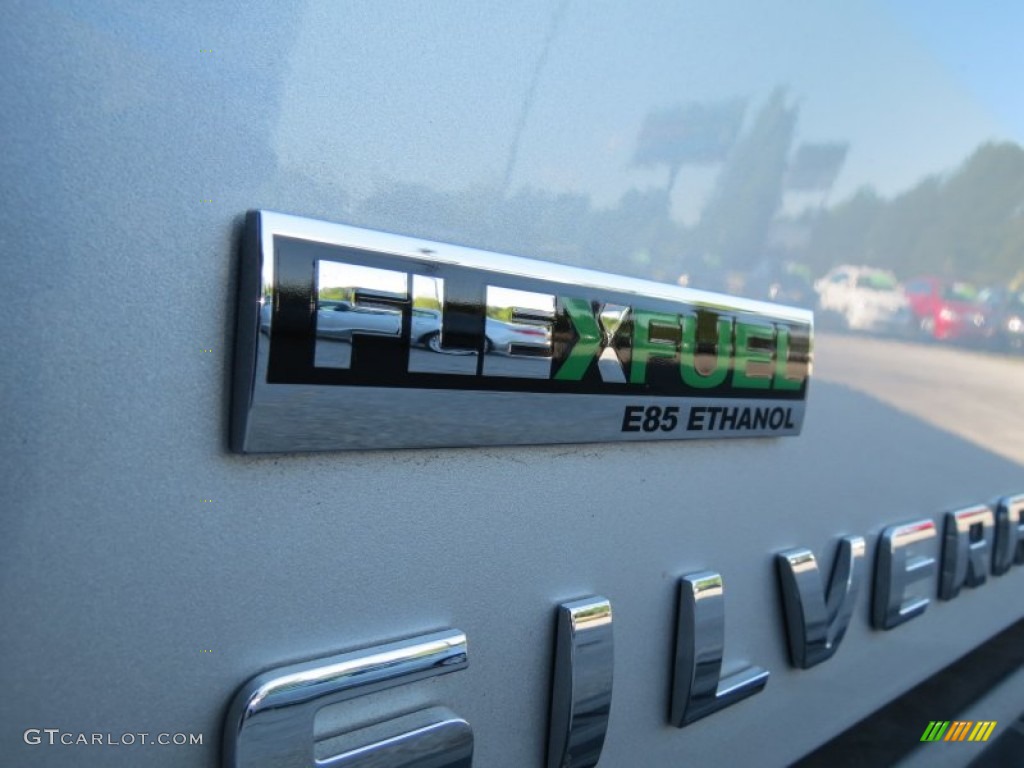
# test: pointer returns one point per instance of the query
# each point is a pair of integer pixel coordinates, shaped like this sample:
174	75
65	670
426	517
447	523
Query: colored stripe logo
958	730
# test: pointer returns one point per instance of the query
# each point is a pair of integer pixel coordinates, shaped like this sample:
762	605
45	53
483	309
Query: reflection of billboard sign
698	133
369	340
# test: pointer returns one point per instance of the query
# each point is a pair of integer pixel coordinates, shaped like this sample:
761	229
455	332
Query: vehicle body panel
147	572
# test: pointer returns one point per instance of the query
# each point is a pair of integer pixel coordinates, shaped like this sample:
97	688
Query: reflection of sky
331	274
430	93
978	45
503	298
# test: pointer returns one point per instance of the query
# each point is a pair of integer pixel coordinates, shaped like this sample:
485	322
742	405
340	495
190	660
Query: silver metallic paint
118	275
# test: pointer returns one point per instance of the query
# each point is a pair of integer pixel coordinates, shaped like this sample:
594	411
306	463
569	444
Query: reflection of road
974	395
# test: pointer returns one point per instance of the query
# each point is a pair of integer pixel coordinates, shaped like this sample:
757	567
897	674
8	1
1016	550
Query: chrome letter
816	623
270	720
896	569
429	352
519	325
697	690
353	300
1009	544
965	549
581	693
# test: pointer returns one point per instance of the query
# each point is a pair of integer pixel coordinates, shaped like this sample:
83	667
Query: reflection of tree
335	294
636	237
815	166
968	224
842	236
698	133
733	229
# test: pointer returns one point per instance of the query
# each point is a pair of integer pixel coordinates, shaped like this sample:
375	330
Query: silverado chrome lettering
269	720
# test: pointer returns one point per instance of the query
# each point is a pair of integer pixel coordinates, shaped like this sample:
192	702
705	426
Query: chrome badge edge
348	338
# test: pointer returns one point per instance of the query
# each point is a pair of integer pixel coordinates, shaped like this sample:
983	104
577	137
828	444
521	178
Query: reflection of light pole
517	135
673	172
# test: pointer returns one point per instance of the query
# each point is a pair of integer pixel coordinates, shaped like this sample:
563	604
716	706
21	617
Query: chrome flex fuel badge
349	338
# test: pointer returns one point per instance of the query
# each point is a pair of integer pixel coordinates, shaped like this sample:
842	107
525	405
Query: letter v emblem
816	623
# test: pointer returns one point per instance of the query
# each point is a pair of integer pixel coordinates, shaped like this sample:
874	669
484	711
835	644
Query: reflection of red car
946	309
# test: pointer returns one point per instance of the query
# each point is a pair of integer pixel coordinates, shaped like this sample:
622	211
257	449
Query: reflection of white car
426	330
339	319
865	297
502	338
516	338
